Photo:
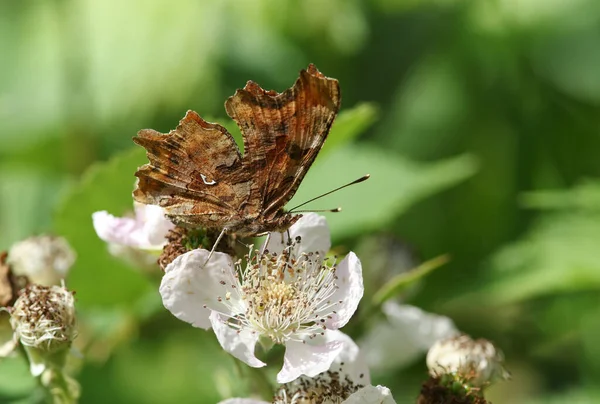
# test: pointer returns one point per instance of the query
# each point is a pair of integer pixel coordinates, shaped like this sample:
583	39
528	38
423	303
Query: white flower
43	320
45	260
138	239
147	230
293	297
346	382
406	334
476	361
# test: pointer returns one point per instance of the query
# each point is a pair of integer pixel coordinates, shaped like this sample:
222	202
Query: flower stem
60	387
259	381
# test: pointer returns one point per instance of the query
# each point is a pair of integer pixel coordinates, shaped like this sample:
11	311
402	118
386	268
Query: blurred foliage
478	121
102	187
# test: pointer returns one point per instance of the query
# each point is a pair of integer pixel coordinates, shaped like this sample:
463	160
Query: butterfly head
283	220
250	227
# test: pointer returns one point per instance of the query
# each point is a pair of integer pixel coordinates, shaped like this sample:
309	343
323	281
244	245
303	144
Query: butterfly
198	175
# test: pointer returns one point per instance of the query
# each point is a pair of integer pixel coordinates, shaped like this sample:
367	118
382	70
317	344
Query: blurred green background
478	120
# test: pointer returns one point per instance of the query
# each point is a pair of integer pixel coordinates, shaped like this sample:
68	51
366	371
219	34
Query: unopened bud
43	319
45	260
477	362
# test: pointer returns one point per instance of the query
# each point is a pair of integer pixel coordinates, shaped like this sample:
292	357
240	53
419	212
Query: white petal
406	335
239	344
148	230
190	288
313	232
350	291
427	328
113	229
137	257
354	362
119	230
371	395
242	401
307	359
155	224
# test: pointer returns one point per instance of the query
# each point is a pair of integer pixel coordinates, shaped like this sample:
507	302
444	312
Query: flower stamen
283	296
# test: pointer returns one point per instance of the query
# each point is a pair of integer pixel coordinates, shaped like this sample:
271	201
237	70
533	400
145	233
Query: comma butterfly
198	175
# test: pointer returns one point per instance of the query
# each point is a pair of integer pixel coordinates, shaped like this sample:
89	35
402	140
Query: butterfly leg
215	245
264	248
283	242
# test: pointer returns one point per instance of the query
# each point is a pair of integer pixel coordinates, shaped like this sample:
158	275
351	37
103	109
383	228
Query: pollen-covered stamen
330	387
281	296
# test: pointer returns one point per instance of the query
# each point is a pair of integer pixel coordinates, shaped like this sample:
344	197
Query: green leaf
575	396
395	185
428	110
28	195
349	124
584	196
97	277
20	383
126	379
589	323
402	281
558	255
570	60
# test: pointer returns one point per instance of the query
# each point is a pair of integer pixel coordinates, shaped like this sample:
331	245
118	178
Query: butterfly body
198	175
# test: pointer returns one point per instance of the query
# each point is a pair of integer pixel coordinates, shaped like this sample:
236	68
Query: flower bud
45	260
476	362
43	319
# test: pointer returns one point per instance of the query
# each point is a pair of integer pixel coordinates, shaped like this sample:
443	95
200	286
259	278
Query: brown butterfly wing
283	134
194	172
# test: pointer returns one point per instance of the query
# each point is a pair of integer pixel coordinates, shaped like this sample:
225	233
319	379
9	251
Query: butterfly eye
213	182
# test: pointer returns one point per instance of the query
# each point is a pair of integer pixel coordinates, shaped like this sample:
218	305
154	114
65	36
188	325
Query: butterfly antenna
361	179
321	210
